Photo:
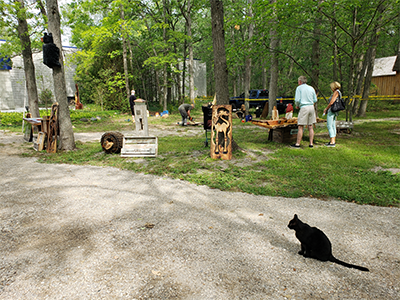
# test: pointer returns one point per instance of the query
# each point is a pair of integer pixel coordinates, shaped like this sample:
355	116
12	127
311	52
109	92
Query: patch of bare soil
13	143
392	170
375	120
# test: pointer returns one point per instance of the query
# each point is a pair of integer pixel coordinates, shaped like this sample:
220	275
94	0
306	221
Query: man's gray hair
303	79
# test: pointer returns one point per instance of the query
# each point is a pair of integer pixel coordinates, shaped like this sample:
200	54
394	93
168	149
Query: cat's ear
295	217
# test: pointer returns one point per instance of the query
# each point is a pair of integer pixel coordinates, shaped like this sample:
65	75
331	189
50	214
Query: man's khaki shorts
306	115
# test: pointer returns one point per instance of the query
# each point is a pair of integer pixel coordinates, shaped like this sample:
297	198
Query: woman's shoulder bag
338	105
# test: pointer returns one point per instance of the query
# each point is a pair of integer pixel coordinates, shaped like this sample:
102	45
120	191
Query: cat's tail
335	260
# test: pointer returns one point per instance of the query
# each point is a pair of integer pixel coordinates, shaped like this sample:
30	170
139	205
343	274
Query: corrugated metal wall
13	94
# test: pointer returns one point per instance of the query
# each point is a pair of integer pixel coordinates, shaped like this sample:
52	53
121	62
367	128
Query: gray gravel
81	232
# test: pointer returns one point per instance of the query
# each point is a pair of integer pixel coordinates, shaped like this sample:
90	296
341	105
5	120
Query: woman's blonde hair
335	86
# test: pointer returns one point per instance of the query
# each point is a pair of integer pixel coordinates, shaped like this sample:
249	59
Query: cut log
112	142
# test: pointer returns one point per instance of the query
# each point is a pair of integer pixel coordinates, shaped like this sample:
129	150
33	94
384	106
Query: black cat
315	244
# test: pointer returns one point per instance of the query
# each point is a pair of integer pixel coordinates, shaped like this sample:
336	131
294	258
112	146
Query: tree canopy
144	44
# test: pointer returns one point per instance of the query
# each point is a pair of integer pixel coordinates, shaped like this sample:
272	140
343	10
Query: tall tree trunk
184	72
66	132
361	78
236	73
176	76
247	72
220	66
291	66
349	111
367	83
315	57
178	81
136	71
165	75
191	59
158	94
371	60
124	52
335	53
29	67
273	83
130	54
165	88
247	77
264	74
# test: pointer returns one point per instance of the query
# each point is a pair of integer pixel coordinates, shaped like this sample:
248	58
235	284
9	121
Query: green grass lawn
356	170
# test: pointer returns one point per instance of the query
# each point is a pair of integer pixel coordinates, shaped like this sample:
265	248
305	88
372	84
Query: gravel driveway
82	232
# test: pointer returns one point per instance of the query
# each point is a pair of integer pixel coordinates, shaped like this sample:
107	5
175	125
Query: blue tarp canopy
5	63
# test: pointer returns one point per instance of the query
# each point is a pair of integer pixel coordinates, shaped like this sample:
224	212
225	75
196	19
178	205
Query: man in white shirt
305	99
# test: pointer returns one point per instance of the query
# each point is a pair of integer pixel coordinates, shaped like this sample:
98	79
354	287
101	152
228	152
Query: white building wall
17	76
13	93
200	82
200	79
6	94
14	96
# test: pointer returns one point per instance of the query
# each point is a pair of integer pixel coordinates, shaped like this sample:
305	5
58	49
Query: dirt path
80	232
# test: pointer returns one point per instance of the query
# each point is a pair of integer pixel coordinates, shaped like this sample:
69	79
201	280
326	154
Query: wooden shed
386	75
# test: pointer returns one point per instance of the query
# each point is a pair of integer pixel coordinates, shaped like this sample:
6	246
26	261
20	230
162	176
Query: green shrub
46	97
11	119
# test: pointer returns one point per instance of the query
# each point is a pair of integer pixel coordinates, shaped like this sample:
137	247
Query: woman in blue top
331	116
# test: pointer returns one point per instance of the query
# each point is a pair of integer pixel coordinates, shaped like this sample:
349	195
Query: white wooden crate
139	146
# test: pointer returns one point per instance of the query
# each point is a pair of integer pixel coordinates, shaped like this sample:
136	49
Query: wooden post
141	124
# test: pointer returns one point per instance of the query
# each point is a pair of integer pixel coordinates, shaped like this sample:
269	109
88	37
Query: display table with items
33	125
282	130
47	130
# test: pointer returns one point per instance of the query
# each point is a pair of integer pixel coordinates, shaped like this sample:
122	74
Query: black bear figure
51	54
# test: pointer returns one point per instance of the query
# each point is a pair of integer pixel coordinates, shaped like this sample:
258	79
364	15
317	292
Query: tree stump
112	142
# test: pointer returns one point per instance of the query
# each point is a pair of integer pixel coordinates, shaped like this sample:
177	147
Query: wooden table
281	131
42	125
34	122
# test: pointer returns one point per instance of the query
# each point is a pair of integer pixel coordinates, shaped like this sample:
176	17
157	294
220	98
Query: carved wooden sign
221	132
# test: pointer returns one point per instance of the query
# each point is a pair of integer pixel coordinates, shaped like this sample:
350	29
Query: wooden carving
53	129
275	114
221	132
40	141
78	104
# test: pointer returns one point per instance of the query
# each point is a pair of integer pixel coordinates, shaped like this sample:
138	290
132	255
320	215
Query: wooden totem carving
53	129
221	132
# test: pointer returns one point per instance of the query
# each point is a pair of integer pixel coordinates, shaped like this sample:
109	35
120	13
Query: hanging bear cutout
51	54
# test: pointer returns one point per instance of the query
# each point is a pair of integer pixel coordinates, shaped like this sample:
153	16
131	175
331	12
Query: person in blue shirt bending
305	98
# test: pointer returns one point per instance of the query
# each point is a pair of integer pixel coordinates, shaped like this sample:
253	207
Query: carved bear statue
51	54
